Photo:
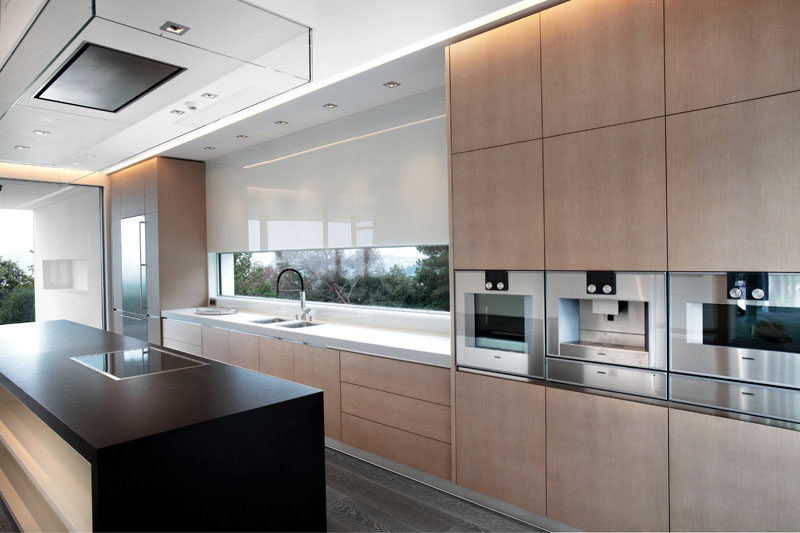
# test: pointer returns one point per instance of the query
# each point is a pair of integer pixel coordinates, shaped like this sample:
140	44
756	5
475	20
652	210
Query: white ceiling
357	45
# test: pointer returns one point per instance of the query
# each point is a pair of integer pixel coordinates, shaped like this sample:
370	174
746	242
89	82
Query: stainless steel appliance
134	277
500	321
735	341
608	330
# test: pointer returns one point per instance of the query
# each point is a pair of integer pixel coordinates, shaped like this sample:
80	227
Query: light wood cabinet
425	454
500	439
494	83
605	199
276	358
216	343
183	336
319	367
602	63
497	208
728	475
733	186
171	195
607	463
413	380
723	51
243	350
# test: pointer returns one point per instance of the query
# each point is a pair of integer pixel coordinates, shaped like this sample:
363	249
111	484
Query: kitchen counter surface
426	348
91	411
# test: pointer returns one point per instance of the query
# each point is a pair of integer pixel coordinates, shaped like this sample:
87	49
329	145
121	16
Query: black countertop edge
722	413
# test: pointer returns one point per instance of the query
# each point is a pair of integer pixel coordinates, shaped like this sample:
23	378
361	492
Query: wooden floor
364	497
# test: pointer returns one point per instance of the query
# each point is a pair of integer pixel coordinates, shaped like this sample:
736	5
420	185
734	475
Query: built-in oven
735	341
500	321
608	330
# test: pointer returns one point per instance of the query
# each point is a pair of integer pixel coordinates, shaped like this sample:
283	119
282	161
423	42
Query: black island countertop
182	422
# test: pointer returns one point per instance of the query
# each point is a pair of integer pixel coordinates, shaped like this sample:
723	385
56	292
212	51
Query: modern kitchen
452	265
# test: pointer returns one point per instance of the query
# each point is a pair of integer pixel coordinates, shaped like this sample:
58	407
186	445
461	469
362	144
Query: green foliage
16	293
18	306
350	277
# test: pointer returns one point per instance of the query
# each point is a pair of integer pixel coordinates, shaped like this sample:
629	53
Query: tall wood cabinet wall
170	193
626	135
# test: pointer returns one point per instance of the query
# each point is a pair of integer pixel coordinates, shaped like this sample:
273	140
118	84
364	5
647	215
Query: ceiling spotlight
209	148
88	156
242	136
177	112
21	147
210	96
281	122
42	132
174	28
330	106
391	84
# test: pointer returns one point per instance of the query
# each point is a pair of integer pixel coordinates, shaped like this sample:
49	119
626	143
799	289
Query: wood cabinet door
728	475
606	199
319	367
497	208
116	265
602	63
500	439
132	191
494	84
607	463
243	350
215	343
723	51
151	260
276	358
733	185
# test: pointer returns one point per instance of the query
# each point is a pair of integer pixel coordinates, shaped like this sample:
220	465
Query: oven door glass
499	321
741	325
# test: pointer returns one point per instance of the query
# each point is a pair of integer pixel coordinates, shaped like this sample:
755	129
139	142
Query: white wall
386	189
68	256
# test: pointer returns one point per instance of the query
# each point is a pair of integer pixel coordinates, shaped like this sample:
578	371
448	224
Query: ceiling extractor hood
112	78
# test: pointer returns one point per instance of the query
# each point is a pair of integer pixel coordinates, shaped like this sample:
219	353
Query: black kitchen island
206	447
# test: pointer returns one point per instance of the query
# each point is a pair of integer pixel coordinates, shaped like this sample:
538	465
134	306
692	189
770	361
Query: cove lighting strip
343	141
314	86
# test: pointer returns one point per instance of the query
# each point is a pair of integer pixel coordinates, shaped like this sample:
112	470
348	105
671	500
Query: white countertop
426	348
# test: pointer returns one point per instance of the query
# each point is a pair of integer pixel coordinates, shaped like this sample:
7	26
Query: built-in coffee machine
608	330
735	341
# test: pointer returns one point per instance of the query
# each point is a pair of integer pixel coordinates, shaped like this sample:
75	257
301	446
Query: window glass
414	277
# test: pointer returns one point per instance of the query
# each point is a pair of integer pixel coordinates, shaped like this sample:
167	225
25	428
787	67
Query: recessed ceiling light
174	27
42	132
391	84
209	148
177	112
210	96
330	106
242	136
21	147
281	122
88	156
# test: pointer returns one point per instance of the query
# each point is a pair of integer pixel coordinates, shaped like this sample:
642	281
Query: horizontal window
401	277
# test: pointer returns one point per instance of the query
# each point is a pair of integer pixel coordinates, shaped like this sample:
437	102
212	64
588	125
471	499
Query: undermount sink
299	324
268	320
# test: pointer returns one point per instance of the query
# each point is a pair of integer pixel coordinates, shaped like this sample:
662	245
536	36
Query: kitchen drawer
243	350
183	346
407	448
414	380
215	343
741	397
185	332
416	416
276	358
642	382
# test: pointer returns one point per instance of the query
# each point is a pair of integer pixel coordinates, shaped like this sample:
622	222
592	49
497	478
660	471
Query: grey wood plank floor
365	497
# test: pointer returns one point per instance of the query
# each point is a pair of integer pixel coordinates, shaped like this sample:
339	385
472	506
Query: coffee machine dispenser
608	330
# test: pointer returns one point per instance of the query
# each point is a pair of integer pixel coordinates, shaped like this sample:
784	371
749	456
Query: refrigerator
134	277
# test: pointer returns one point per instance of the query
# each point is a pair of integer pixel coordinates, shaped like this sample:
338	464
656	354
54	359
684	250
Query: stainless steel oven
608	330
500	321
735	341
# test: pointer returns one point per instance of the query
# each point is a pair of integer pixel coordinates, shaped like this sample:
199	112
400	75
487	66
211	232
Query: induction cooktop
135	363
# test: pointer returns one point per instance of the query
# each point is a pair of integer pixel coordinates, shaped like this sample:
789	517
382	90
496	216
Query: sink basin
299	324
268	320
